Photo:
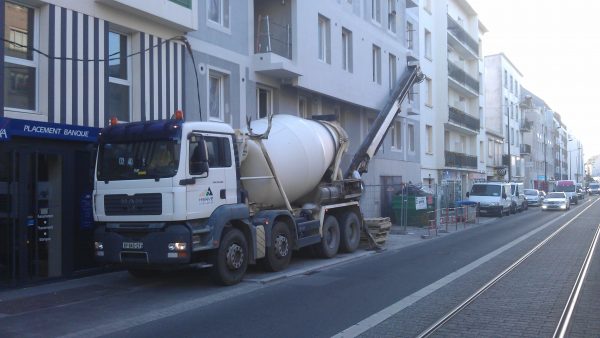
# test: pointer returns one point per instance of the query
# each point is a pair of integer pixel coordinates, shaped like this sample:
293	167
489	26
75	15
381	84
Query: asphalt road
394	293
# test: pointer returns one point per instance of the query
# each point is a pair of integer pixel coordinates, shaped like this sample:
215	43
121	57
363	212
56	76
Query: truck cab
569	187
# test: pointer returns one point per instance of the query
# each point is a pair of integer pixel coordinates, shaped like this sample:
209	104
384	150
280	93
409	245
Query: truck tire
349	232
231	258
331	238
279	253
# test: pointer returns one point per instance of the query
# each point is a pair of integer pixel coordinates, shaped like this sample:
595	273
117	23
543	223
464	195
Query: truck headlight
178	246
99	246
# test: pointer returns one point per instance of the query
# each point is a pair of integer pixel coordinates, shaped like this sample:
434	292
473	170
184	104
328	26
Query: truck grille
138	204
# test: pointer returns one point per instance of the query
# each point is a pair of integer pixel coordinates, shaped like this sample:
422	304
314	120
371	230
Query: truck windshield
485	190
565	188
138	160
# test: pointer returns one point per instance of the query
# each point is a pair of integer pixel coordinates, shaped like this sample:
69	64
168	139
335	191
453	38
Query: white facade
452	31
503	114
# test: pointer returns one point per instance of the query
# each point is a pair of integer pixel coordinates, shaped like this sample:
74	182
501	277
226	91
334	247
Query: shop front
46	181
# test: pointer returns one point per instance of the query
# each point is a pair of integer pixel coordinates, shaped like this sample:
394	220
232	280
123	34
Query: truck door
218	187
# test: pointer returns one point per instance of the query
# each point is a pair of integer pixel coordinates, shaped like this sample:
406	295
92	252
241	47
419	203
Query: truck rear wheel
349	232
279	253
231	258
331	238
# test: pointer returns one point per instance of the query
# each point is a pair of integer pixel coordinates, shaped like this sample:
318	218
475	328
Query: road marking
379	317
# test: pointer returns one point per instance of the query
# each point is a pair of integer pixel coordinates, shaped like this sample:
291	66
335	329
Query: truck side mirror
198	156
468	194
504	195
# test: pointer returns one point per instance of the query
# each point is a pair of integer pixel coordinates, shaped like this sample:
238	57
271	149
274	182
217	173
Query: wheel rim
235	257
281	246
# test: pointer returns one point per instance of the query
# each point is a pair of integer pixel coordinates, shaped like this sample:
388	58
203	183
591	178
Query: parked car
556	201
492	198
580	191
519	203
533	197
594	188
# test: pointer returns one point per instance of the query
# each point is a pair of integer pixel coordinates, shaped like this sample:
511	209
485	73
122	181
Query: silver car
533	197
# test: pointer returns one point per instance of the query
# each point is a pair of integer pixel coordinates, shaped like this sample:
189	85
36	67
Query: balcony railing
525	149
460	76
526	125
462	35
273	37
461	118
459	160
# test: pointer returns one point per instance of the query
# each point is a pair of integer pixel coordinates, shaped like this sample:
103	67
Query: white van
519	202
493	198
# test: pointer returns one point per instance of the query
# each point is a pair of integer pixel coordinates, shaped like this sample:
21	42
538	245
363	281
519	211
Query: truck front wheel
279	253
231	258
349	232
331	238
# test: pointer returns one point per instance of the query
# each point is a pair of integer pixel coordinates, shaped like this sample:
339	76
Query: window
376	10
481	150
217	86
184	3
511	83
392	16
397	136
506	107
376	64
446	140
324	40
218	151
119	86
505	79
347	50
411	137
429	132
428	44
218	12
512	136
392	71
20	63
264	99
302	107
490	149
409	35
429	89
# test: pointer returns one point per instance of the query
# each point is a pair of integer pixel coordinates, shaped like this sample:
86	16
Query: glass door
8	183
44	216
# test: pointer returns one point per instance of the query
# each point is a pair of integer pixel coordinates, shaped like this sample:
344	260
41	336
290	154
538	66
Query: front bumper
143	247
489	209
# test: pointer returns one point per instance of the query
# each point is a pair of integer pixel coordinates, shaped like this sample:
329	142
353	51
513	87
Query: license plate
133	245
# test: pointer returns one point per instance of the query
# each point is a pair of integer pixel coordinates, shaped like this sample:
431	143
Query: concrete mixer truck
171	194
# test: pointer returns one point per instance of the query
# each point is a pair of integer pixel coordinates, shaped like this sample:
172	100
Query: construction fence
432	206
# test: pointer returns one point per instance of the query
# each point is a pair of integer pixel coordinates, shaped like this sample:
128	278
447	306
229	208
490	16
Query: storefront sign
15	127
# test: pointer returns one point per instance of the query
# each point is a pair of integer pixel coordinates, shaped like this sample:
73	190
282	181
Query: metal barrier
439	219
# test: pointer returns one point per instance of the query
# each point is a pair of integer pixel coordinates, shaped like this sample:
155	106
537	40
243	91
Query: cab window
218	151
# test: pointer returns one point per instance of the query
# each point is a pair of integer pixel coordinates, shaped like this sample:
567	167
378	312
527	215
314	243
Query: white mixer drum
300	150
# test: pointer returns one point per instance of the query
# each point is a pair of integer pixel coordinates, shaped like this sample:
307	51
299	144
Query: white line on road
402	304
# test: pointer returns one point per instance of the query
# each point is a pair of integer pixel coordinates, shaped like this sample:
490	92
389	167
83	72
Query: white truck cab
493	198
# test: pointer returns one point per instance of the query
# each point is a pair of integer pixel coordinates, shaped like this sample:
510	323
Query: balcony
273	49
461	40
459	160
461	118
178	14
526	125
462	78
525	149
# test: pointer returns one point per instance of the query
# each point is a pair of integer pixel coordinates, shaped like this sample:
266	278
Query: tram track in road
563	323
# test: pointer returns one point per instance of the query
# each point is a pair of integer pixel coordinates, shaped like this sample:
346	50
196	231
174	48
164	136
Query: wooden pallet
379	228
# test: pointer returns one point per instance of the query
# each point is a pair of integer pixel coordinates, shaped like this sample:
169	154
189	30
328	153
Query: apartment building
504	117
307	58
575	158
452	43
67	68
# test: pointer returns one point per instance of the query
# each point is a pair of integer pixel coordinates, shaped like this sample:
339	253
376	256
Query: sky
555	44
